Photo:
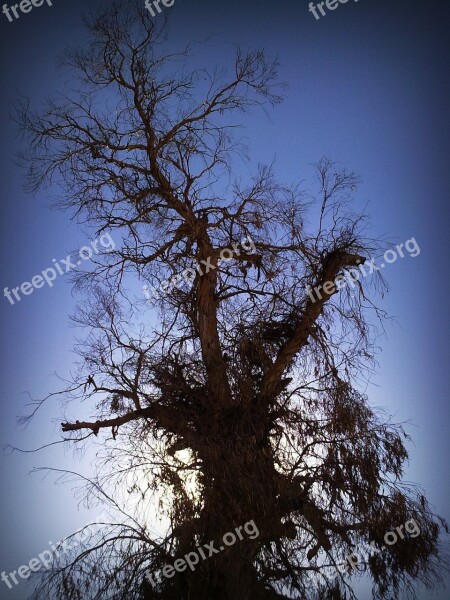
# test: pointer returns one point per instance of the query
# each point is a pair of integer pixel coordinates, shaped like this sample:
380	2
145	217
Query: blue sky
367	87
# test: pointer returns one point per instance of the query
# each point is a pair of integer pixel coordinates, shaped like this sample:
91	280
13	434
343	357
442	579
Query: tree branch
331	267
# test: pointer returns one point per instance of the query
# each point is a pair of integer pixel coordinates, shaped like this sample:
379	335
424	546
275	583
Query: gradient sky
368	86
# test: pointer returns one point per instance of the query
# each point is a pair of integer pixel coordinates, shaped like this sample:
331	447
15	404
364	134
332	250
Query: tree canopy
235	396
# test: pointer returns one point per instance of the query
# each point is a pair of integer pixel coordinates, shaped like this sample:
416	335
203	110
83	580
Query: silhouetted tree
243	402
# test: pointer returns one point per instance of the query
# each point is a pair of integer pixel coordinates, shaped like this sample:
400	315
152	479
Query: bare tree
244	401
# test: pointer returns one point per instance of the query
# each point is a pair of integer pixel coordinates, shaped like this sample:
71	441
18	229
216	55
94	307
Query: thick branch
207	306
331	267
97	425
165	418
